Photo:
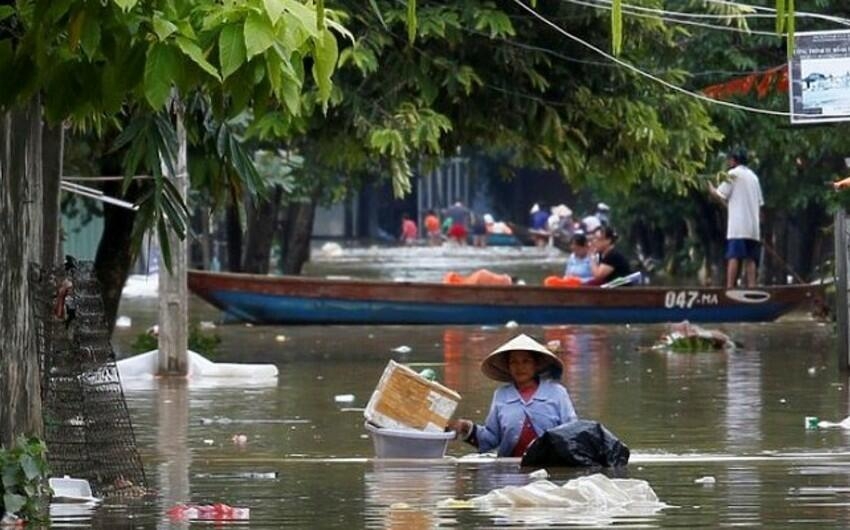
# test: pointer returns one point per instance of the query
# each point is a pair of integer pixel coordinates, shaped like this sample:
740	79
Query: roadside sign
819	77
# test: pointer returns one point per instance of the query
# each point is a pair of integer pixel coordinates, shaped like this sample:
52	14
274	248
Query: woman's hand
461	427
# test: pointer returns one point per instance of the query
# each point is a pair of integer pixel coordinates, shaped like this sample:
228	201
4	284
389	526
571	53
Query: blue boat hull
304	300
260	308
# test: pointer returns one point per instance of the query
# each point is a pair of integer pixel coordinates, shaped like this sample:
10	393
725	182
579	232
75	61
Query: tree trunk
115	254
261	224
234	238
21	202
54	143
296	232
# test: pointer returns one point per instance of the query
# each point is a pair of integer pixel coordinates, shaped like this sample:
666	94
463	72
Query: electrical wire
805	14
648	75
635	11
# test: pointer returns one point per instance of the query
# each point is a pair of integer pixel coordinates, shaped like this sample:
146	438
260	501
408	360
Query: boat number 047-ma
688	299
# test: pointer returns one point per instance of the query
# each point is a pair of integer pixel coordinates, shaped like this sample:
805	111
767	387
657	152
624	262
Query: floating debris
344	398
403	349
540	474
208	512
843	424
707	480
280	338
228	421
511	324
331	250
123	322
685	337
456	504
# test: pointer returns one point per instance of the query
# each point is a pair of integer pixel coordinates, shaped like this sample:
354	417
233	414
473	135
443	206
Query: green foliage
122	61
199	341
617	26
483	75
24	469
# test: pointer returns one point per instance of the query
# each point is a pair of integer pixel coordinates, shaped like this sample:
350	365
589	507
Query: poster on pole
819	75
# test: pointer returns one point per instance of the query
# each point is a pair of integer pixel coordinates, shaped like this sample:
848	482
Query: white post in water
841	285
173	296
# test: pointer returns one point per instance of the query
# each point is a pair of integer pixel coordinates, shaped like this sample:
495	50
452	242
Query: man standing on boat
742	195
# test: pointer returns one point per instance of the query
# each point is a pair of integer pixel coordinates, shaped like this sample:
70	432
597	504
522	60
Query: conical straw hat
495	366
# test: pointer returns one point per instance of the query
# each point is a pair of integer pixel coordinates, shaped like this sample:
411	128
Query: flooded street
737	417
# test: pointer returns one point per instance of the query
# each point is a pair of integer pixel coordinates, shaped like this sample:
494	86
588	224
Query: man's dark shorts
743	249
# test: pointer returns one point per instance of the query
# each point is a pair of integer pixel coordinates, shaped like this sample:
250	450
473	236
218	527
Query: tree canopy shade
100	65
90	59
485	75
96	63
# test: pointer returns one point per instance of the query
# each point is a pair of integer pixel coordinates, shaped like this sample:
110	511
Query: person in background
409	231
459	215
531	401
741	193
609	264
446	226
590	224
579	261
539	228
432	228
603	213
479	231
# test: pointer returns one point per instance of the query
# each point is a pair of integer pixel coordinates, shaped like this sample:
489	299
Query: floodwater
737	417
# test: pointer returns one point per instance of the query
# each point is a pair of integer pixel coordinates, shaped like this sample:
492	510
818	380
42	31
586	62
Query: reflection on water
734	416
307	463
173	448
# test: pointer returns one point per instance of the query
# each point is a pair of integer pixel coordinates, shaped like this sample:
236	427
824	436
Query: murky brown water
737	417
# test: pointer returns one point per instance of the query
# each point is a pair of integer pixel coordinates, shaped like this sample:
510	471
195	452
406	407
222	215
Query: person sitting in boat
496	227
579	261
531	401
479	277
609	264
578	269
539	229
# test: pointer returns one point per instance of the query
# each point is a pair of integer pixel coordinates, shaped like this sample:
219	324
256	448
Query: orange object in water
479	277
563	281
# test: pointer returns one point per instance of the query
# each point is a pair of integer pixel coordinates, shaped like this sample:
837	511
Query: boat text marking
688	299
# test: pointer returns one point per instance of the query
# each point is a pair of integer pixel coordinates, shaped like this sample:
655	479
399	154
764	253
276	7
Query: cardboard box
405	400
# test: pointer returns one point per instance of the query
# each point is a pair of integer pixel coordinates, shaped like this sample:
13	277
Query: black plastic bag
578	443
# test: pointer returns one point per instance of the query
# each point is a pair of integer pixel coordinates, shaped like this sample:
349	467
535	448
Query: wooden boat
525	236
305	300
499	240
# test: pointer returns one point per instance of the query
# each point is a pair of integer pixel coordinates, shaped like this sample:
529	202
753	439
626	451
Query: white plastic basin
67	489
398	443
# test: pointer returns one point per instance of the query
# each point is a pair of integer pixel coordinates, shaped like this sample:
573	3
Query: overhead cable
648	75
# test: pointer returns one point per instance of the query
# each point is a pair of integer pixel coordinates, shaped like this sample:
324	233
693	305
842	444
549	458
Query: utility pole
841	283
173	292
